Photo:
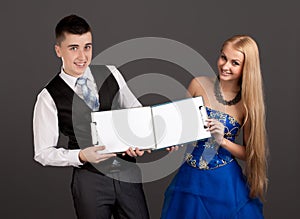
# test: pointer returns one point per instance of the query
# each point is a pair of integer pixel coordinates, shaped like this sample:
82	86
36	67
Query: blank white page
179	122
120	129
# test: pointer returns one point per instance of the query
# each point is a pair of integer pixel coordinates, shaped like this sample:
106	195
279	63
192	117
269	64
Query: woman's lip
225	73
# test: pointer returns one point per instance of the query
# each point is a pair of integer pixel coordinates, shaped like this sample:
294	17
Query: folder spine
153	126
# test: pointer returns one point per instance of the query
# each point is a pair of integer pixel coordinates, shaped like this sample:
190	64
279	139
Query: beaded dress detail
207	154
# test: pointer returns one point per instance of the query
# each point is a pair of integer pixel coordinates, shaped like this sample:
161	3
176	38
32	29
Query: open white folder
150	127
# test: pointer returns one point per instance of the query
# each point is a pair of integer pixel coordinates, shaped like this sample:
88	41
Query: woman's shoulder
203	78
201	81
200	85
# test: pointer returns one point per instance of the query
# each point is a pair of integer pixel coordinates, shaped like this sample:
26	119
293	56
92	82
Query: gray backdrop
29	190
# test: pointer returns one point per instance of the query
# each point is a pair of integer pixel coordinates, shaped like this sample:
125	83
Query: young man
64	106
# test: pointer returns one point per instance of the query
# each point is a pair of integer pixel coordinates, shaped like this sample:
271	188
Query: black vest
74	116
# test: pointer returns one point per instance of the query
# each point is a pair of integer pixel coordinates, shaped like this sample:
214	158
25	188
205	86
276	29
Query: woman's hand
216	128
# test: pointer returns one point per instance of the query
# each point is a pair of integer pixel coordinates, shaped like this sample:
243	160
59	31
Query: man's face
76	53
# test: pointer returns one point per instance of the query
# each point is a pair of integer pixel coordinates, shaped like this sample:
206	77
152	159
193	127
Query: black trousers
97	196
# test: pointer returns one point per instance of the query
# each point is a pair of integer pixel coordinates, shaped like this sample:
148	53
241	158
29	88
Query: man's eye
88	47
73	48
223	57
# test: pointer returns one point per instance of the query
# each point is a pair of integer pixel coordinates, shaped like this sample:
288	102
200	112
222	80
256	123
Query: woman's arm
237	150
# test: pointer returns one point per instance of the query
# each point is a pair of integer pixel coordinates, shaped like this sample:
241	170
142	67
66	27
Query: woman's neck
230	86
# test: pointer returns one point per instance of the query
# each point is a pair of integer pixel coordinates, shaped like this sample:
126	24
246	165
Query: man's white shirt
45	120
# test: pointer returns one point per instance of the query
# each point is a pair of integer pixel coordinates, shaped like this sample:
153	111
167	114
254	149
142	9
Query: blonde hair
253	102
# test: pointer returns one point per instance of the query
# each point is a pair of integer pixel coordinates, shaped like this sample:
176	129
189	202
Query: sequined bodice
207	154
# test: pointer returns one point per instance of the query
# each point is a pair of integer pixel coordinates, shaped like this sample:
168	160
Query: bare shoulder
199	81
197	86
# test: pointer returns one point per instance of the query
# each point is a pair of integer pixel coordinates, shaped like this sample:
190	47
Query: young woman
211	184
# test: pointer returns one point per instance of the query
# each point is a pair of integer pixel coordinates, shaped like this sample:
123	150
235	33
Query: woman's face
230	64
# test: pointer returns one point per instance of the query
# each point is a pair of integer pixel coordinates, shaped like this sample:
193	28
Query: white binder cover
151	127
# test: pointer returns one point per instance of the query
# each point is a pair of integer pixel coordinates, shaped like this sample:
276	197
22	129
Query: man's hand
91	155
172	148
135	153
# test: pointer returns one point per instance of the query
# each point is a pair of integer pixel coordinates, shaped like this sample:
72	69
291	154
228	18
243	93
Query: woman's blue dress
210	184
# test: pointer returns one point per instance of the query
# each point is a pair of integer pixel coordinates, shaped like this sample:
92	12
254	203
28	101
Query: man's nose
81	54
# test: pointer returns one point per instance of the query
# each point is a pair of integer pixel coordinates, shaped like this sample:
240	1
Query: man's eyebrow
73	45
88	44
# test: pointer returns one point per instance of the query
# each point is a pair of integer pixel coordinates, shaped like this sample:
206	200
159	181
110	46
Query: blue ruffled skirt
220	193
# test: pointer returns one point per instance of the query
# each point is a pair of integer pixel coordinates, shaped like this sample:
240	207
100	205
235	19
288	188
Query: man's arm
46	134
127	98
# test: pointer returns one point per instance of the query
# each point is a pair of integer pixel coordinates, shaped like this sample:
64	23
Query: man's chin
80	71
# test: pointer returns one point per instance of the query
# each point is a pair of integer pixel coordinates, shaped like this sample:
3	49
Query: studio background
29	190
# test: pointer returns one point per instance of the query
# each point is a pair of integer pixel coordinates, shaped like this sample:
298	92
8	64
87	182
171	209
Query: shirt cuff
74	158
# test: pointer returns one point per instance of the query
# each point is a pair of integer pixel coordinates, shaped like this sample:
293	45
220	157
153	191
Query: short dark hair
71	24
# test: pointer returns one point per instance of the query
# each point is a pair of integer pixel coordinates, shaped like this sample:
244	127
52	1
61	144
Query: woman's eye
235	63
223	57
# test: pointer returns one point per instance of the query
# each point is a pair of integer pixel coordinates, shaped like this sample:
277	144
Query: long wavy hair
253	102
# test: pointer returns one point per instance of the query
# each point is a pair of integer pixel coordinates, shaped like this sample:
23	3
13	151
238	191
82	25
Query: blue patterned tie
89	98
